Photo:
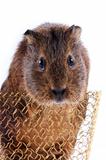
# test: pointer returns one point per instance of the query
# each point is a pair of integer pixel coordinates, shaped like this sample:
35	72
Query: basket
23	139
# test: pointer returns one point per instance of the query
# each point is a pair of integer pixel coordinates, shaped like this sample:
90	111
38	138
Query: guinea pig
51	66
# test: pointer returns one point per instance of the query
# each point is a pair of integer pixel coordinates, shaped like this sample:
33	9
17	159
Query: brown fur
53	42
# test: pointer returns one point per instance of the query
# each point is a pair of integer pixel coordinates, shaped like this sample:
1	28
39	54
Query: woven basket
81	147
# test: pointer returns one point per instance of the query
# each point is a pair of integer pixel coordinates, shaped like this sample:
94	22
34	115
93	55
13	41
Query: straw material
40	133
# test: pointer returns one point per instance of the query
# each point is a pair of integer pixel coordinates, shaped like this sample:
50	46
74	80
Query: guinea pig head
56	66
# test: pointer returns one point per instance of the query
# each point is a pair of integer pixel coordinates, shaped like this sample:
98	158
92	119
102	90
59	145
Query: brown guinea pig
51	66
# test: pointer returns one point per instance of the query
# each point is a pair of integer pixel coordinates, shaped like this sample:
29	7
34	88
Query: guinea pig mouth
58	100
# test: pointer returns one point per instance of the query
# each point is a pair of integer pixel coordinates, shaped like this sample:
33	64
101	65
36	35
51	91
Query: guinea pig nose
58	91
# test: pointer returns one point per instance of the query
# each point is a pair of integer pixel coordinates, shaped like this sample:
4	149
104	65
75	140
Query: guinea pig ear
29	36
32	36
74	33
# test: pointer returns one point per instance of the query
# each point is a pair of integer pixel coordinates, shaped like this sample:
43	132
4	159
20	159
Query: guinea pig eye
70	61
42	64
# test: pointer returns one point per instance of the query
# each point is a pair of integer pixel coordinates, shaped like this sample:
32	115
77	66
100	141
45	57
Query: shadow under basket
32	132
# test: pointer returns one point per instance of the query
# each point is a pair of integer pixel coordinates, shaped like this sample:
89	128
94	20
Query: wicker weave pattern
20	150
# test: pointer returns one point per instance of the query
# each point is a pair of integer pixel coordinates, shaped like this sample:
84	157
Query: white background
16	16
